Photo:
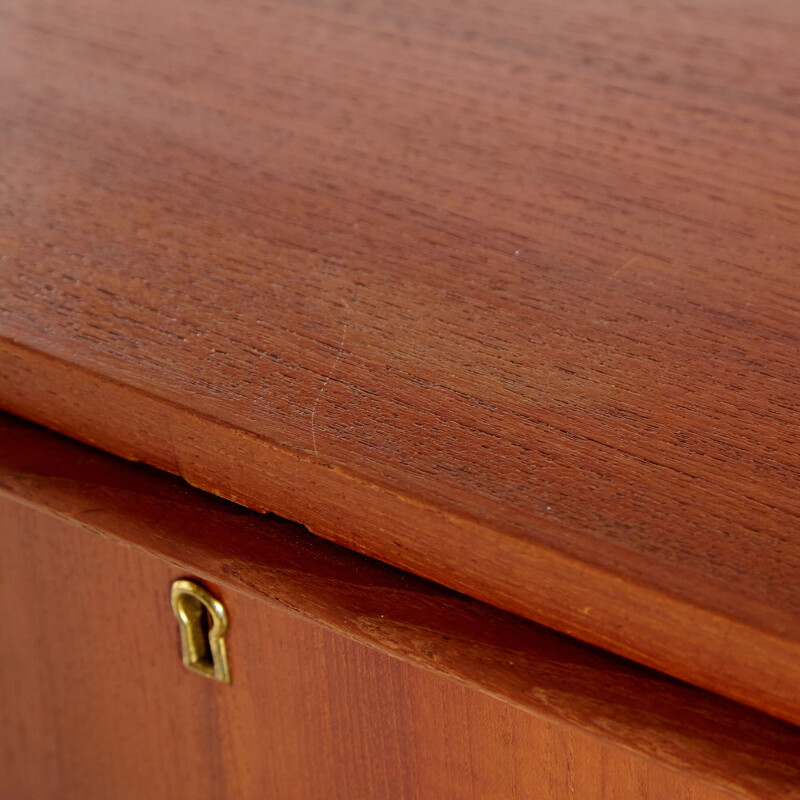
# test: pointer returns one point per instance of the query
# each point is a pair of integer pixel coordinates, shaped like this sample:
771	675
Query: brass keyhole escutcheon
203	623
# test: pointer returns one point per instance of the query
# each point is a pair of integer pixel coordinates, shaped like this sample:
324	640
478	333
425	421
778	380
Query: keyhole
203	623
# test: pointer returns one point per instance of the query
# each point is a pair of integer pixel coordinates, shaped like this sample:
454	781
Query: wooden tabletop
505	295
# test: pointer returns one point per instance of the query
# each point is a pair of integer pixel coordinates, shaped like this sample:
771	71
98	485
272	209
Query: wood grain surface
506	295
95	709
574	691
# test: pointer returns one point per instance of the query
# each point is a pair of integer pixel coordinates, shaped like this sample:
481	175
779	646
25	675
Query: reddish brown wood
564	684
93	709
506	296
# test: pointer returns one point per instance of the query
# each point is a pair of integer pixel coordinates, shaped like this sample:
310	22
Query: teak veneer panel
505	295
94	710
575	692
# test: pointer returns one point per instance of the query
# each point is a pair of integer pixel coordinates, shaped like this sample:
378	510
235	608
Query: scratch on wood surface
627	264
331	371
176	459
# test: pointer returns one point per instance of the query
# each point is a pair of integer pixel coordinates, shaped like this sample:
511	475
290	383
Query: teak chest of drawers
498	300
349	679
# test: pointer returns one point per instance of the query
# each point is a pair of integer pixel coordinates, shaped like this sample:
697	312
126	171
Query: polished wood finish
94	709
559	681
506	296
